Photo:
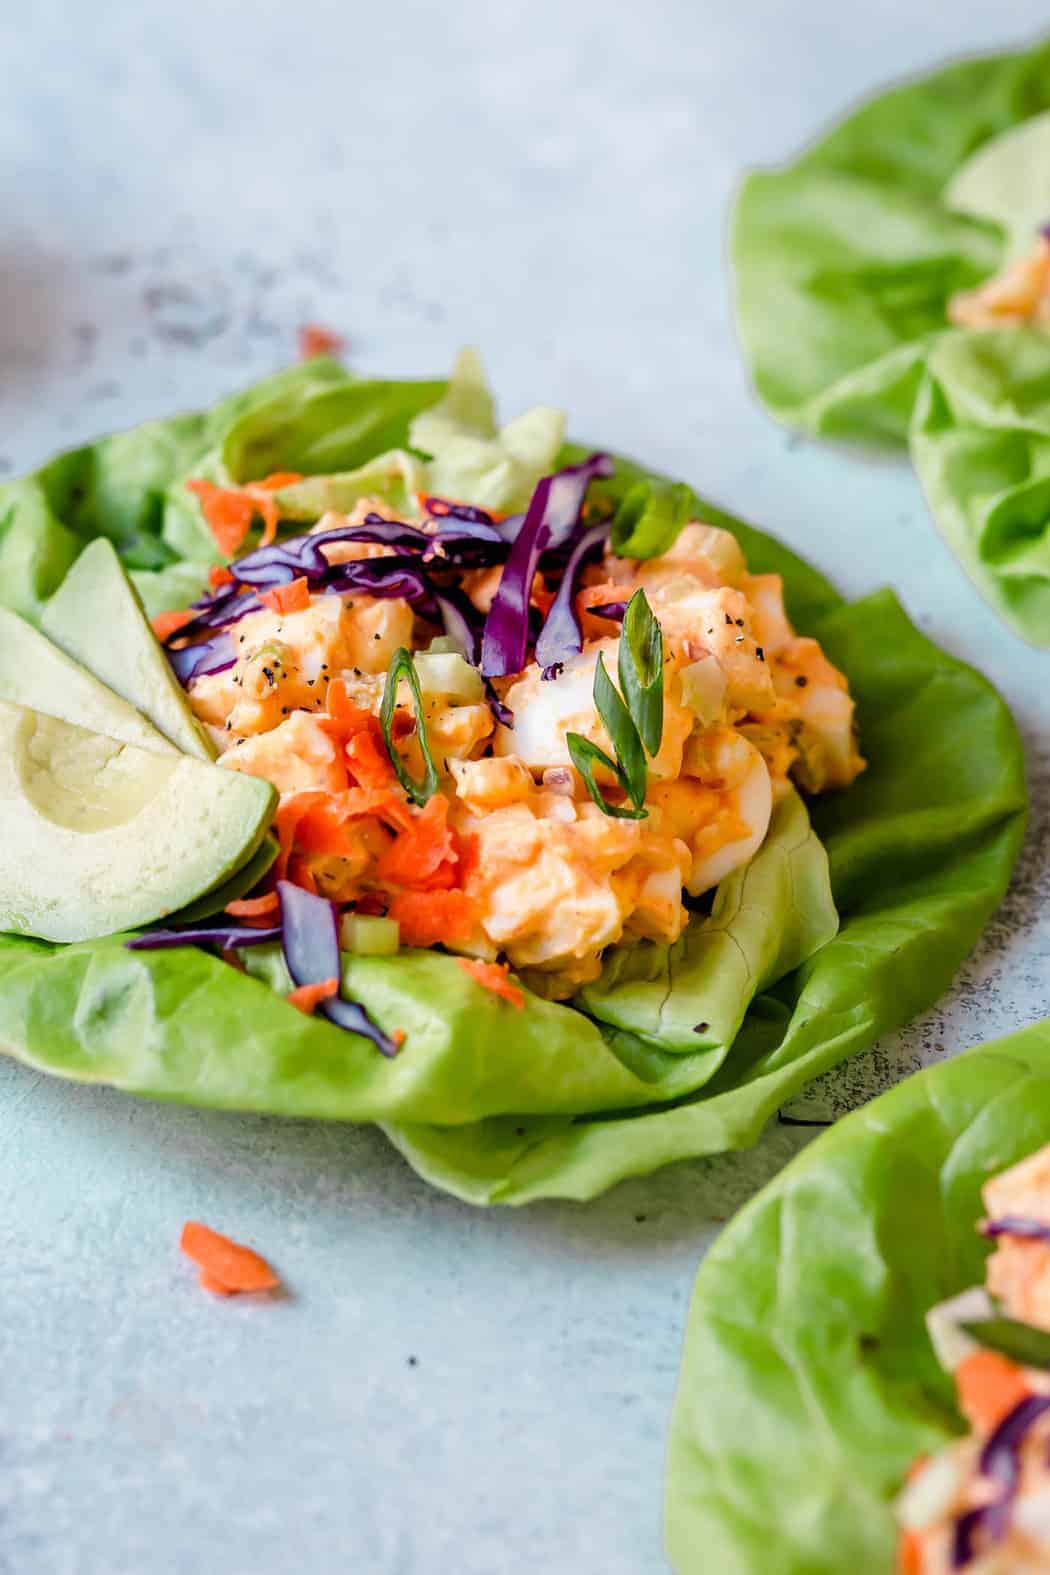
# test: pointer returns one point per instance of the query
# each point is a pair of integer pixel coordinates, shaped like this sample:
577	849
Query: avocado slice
230	890
97	618
101	836
36	673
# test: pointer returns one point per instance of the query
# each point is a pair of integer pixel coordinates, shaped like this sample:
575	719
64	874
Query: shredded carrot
427	917
369	761
494	977
918	1464
308	997
276	480
989	1386
909	1554
387	804
323	829
315	339
416	857
290	812
208	1282
265	907
228	513
165	623
217	576
300	874
225	1262
344	716
294	597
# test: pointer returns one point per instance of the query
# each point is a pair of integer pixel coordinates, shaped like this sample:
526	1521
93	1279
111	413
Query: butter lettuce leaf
472	460
494	1104
808	1383
844	258
1007	181
980	444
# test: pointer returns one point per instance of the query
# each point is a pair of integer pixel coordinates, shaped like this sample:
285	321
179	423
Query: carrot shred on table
315	339
264	907
293	597
208	1282
427	917
989	1386
166	623
308	997
494	977
218	575
225	1262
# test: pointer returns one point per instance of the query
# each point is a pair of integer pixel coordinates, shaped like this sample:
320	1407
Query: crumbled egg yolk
549	879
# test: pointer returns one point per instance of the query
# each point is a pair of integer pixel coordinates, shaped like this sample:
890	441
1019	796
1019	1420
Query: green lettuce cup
853	917
845	259
809	1384
852	263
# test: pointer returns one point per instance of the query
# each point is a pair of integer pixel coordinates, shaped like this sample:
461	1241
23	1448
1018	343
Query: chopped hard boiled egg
481	834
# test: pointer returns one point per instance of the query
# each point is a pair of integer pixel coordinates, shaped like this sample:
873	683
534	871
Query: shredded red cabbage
228	936
999	1462
198	661
561	636
310	937
1016	1225
614	611
550	520
460	619
221	613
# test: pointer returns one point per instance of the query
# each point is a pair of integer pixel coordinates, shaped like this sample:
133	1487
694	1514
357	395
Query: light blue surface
183	185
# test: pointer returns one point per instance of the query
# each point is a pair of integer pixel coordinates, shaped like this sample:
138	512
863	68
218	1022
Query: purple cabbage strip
460	619
400	576
1016	1225
221	614
614	611
228	936
445	508
561	636
999	1462
198	661
310	937
552	516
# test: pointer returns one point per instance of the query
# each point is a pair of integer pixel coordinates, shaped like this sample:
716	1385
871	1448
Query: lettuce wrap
846	262
809	1384
840	928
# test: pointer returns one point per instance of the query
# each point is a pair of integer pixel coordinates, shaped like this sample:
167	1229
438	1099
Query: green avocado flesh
233	887
101	836
35	673
96	617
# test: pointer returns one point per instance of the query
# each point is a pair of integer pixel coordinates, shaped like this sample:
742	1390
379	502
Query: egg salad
502	738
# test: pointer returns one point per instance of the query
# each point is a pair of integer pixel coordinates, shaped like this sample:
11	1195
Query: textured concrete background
180	186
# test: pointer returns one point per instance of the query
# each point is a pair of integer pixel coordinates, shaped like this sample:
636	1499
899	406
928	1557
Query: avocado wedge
231	889
36	673
101	836
97	618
